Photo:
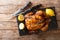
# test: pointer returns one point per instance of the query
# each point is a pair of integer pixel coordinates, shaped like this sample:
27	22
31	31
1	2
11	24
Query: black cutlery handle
28	5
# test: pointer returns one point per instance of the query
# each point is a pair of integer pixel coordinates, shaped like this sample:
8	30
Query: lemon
21	26
20	17
50	12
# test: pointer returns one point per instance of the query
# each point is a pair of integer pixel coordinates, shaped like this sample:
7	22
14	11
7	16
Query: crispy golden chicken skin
35	21
29	14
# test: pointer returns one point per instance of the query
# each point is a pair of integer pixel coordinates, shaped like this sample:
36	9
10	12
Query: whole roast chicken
36	21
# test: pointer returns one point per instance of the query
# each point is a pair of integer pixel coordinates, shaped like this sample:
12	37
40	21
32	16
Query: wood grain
9	28
9	9
12	2
8	25
13	35
9	6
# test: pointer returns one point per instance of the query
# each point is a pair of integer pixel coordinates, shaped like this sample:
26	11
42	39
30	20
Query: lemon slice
20	17
21	26
50	12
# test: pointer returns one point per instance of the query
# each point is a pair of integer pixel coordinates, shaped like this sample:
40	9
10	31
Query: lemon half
20	17
50	12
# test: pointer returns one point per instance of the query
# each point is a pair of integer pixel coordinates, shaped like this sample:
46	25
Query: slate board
52	24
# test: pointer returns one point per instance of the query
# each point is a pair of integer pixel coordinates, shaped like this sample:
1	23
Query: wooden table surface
9	28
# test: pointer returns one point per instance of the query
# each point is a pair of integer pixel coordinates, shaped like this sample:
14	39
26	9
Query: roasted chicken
36	21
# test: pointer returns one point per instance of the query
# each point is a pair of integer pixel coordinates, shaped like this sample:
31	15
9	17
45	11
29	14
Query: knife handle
28	5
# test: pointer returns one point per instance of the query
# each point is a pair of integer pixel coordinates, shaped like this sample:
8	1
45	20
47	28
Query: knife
28	5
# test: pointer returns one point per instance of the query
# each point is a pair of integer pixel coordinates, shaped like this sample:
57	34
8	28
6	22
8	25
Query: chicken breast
35	21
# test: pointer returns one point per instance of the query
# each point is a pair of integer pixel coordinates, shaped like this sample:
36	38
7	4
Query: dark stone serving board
52	24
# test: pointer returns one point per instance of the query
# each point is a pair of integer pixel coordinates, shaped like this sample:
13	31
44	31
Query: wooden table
9	28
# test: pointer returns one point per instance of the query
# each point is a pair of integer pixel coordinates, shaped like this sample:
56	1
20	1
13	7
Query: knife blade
28	5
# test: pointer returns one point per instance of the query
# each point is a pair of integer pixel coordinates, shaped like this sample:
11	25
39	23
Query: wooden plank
18	2
58	16
13	25
8	25
14	35
12	2
9	34
6	5
4	17
9	9
58	22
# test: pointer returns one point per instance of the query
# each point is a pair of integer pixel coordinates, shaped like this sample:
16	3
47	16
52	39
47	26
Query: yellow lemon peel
50	12
20	17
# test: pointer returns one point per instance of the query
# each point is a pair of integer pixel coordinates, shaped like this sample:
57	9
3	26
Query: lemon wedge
20	17
21	26
50	12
